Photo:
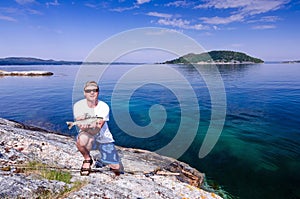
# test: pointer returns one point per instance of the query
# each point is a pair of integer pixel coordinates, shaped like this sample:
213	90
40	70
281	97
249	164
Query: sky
70	30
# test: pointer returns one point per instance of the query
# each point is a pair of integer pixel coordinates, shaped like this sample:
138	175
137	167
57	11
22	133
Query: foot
86	167
117	169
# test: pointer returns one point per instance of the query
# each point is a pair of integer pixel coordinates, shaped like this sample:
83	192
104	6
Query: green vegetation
46	172
215	57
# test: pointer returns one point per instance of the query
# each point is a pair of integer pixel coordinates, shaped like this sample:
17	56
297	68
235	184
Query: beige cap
91	83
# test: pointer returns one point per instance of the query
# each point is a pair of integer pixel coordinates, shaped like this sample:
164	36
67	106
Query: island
216	57
34	61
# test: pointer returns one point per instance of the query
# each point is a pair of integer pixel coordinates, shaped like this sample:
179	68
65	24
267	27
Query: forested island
216	57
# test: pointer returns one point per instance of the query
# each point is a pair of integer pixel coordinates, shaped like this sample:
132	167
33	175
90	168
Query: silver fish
86	121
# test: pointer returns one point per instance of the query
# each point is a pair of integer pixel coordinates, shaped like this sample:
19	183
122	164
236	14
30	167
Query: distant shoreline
35	61
25	61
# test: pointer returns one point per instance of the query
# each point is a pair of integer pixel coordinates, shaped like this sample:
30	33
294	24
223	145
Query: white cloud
243	9
103	5
182	3
90	5
263	27
223	4
265	19
10	10
22	2
215	27
34	12
263	6
245	6
54	3
122	9
156	14
142	1
135	5
161	32
174	21
222	20
12	14
180	23
7	18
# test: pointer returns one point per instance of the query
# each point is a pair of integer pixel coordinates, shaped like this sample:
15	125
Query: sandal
86	171
117	172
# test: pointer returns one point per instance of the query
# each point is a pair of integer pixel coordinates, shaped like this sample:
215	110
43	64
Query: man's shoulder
102	103
80	103
103	106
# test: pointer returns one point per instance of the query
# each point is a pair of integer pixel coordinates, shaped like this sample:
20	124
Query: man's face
91	93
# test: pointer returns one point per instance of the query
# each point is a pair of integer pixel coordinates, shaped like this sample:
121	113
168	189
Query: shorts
108	152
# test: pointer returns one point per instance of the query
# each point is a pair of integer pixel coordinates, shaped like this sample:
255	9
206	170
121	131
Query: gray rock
147	174
25	73
16	186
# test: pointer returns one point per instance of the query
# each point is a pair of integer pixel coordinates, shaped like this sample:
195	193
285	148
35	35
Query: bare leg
114	166
84	145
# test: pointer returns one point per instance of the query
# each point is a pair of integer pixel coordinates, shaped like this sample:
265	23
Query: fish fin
70	124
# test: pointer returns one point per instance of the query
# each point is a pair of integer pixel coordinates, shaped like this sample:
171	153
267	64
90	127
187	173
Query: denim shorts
108	152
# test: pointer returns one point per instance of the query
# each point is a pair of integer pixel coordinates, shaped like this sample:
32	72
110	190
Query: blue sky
69	30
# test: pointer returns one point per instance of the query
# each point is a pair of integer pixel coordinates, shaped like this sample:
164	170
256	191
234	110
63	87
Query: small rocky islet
25	73
147	174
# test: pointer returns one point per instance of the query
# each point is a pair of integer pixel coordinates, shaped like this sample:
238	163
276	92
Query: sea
252	151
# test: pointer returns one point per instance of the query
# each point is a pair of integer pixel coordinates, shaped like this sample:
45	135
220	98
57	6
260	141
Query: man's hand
92	128
99	123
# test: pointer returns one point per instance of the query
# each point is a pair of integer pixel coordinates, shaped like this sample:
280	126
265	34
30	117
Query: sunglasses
90	90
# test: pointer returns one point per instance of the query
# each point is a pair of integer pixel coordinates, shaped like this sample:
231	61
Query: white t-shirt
101	110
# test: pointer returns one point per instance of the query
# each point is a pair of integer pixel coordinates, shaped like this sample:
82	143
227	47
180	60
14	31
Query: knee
84	139
78	143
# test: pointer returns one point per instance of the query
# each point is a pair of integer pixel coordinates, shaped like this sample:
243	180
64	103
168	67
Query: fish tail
70	124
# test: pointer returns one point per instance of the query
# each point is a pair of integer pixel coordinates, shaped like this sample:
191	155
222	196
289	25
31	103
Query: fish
89	120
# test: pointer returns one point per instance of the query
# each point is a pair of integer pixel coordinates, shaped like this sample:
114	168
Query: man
96	134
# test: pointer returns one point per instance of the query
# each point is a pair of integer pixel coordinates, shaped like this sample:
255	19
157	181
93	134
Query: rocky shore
25	73
28	154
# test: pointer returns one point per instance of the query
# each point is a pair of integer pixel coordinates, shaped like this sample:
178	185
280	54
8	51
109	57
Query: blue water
257	154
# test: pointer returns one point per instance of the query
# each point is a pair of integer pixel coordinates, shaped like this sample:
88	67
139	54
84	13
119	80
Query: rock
147	174
21	186
25	73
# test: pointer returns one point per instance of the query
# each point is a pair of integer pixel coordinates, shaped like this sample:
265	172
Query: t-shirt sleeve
78	109
102	111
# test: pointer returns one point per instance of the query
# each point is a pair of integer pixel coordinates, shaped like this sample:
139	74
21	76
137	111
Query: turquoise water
257	154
